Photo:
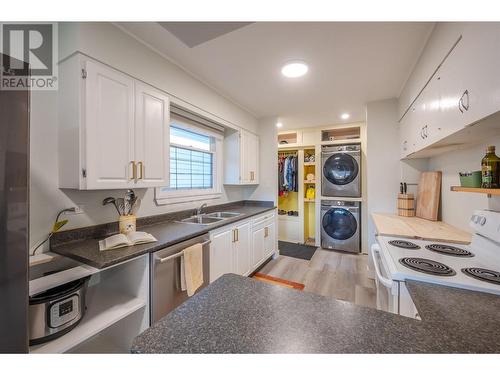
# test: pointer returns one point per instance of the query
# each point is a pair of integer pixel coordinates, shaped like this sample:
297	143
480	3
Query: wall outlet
79	209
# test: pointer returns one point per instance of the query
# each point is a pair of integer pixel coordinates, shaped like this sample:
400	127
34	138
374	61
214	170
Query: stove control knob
483	220
473	218
476	219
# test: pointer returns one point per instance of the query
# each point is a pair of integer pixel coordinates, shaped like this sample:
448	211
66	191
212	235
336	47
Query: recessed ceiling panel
195	33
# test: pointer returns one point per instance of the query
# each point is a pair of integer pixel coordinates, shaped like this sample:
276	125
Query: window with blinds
191	160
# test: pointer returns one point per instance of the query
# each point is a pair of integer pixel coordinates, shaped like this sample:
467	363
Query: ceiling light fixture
294	69
345	116
279	125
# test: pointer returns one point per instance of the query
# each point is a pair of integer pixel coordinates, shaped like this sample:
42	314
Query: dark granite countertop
241	315
164	228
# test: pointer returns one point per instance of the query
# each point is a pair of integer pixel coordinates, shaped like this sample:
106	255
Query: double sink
207	219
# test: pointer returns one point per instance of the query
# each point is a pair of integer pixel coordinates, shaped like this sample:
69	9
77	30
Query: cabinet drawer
263	220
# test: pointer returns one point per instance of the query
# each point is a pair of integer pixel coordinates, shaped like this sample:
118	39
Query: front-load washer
341	171
341	225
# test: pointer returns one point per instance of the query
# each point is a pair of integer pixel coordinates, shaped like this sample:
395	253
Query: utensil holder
127	224
406	205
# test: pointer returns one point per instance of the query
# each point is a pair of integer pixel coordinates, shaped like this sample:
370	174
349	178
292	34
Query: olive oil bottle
490	168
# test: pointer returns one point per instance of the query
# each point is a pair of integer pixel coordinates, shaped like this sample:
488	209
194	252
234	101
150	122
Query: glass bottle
490	166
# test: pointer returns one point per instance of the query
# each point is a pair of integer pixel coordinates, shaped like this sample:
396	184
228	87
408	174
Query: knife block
406	205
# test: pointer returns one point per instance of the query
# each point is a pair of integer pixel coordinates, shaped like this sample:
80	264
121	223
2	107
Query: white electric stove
475	266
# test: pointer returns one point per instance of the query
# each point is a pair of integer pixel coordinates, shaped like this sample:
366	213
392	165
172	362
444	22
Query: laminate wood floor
329	273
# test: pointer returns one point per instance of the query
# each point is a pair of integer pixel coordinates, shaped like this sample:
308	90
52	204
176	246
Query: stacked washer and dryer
341	178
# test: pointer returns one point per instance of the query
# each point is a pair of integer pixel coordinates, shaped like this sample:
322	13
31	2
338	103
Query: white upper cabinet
108	127
241	158
481	70
463	90
152	118
113	129
250	158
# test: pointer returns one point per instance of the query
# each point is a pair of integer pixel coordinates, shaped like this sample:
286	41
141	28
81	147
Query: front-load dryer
340	225
341	171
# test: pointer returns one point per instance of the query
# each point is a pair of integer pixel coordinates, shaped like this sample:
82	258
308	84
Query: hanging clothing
287	174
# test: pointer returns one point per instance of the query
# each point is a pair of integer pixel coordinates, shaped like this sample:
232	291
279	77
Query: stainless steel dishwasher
166	293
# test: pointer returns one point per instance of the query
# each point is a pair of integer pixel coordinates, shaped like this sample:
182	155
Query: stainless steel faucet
198	210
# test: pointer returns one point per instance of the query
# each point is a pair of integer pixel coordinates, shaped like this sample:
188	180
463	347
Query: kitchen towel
192	269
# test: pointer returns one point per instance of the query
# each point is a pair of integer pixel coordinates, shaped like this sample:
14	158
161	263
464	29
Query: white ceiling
350	64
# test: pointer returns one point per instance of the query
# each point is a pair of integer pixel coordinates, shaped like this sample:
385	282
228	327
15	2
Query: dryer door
339	223
340	169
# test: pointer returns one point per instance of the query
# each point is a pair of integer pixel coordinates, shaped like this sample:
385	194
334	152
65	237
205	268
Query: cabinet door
221	254
249	155
452	87
255	159
245	148
242	249
109	128
432	129
258	246
151	136
269	239
481	70
408	132
418	123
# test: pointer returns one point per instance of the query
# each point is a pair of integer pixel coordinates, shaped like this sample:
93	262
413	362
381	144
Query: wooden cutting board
428	194
417	228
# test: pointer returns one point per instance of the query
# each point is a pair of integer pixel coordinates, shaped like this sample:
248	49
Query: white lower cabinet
221	252
242	261
243	246
270	242
263	239
257	245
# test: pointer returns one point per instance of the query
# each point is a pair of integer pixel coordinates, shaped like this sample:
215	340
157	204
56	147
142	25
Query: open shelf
341	134
104	310
309	181
307	200
308	163
476	190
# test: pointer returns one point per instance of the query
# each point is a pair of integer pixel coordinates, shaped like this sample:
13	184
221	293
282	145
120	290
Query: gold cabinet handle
252	175
234	235
237	235
141	170
134	170
266	232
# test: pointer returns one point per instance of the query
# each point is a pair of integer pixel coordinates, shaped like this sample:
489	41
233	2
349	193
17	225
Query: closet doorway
297	195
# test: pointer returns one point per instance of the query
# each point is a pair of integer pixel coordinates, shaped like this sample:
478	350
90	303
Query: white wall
456	208
110	45
383	165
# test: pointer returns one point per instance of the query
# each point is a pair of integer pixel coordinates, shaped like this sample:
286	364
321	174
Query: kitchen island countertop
236	314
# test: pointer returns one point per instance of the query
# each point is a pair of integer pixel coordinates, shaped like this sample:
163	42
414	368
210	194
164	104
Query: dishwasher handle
179	254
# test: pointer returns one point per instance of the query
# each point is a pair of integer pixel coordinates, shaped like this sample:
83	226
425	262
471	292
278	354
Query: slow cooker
56	311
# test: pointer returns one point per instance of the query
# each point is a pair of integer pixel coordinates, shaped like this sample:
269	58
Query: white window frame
190	195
